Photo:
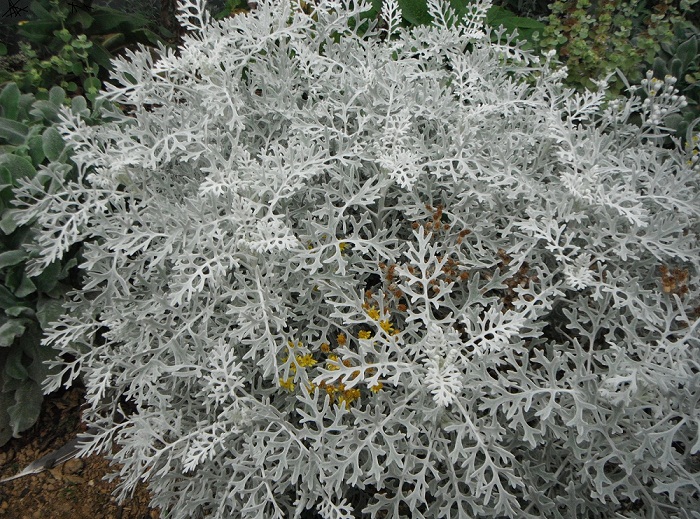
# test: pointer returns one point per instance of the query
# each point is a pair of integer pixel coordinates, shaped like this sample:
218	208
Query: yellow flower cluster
344	396
337	392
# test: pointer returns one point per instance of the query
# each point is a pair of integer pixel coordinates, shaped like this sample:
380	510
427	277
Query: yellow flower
325	347
387	326
287	383
376	388
373	313
348	397
364	334
306	361
341	339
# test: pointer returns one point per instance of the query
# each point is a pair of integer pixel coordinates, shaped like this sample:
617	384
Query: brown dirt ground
73	490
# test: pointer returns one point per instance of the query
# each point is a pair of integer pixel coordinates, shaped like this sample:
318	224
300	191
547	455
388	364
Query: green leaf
498	15
14	365
25	287
13	132
56	96
52	143
19	311
6	176
79	106
38	370
25	103
99	55
66	268
659	68
11	329
81	17
6	195
9	384
13	278
7	298
36	151
415	11
3	49
48	277
676	68
19	167
49	310
77	68
64	35
92	83
9	101
7	223
110	21
13	257
40	31
6	400
39	11
26	410
31	345
45	110
688	52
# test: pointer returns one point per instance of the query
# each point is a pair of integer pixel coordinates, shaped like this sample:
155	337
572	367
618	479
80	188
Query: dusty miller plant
371	271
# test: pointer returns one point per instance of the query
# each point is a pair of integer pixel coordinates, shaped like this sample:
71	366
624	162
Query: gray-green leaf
9	100
13	257
52	143
24	413
8	331
49	310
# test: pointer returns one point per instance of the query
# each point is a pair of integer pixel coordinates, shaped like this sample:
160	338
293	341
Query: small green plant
73	48
28	303
596	38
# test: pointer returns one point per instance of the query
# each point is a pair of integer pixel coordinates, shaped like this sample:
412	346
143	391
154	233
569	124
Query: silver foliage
235	219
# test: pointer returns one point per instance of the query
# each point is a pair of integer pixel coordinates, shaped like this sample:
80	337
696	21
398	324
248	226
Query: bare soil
73	490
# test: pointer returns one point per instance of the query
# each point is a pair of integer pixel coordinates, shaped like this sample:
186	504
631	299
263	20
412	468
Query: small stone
91	483
5	505
74	466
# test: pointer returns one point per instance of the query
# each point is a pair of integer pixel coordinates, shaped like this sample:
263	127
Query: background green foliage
72	47
594	38
27	304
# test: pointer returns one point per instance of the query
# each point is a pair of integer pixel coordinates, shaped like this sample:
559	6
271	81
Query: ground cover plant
397	272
